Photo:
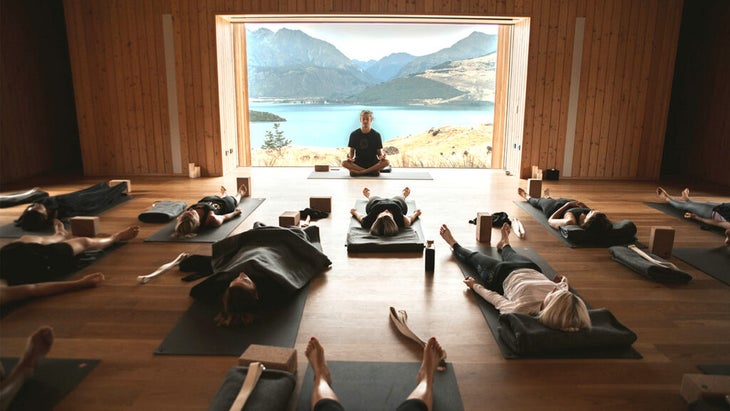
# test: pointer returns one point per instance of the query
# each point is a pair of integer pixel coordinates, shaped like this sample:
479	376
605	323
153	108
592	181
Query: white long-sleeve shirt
524	291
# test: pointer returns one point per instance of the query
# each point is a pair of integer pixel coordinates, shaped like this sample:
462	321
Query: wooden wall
117	60
698	129
37	118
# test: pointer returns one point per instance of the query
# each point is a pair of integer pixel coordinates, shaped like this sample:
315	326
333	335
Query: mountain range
289	65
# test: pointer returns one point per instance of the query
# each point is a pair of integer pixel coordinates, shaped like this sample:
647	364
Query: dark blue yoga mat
381	385
491	314
52	380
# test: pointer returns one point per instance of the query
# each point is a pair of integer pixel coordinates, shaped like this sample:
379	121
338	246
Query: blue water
320	125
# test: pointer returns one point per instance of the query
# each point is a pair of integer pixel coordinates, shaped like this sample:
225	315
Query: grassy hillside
460	147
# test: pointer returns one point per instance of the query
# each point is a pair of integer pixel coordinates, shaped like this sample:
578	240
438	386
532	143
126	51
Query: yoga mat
491	314
209	235
669	210
13	231
197	334
716	369
52	380
537	214
359	240
396	174
381	385
714	262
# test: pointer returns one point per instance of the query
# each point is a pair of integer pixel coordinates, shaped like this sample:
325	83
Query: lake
324	125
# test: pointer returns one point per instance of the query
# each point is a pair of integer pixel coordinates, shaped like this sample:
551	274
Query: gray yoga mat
381	385
52	380
197	334
396	174
13	231
714	262
210	235
491	314
409	240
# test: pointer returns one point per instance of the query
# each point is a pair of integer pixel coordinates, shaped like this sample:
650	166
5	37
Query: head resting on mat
384	225
187	224
35	217
239	301
563	310
596	223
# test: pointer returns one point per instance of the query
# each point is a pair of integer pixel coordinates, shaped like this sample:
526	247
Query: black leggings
492	271
328	404
548	205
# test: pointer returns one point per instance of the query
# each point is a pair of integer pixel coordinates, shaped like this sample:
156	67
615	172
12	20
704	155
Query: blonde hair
384	225
566	312
186	227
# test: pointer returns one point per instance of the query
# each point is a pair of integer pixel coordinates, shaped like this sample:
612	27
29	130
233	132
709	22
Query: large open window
438	87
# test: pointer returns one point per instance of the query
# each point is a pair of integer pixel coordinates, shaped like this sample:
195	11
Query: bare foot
446	235
91	280
406	192
506	229
432	354
662	193
242	190
223	191
522	192
546	193
126	234
685	194
315	355
38	345
366	192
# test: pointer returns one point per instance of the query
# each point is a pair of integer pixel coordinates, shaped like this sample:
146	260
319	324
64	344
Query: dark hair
32	220
598	224
239	305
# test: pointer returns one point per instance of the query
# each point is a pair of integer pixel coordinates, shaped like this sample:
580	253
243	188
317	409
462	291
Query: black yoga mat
410	239
396	174
197	334
537	214
669	210
210	235
714	262
715	369
13	231
491	314
52	380
381	386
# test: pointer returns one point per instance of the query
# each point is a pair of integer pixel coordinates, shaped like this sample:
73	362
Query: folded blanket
162	211
642	266
525	335
271	392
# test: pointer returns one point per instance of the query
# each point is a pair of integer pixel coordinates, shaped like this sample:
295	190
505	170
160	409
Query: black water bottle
430	255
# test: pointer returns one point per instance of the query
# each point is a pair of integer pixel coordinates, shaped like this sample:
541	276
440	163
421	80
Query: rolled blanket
524	334
622	232
272	391
162	211
660	273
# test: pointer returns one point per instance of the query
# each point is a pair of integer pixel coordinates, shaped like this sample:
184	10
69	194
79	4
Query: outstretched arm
214	220
708	221
13	293
357	215
410	219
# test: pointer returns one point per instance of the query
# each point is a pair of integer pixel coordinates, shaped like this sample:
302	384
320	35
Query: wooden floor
122	322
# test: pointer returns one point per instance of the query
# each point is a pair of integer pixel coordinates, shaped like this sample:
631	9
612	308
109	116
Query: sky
373	41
